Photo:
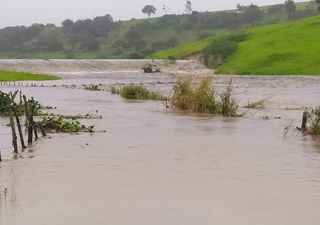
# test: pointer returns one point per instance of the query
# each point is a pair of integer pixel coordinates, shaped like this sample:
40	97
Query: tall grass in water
133	91
202	97
228	103
315	122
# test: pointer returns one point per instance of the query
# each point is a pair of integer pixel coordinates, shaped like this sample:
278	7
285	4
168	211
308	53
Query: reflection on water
154	166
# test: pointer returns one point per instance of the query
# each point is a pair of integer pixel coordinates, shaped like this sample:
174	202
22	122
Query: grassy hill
102	37
183	51
285	49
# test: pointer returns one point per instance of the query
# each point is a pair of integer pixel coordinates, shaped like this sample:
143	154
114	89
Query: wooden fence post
30	130
14	135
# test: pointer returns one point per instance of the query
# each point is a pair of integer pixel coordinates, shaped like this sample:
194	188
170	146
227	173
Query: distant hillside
102	37
290	48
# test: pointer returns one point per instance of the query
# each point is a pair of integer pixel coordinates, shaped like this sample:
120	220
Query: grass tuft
315	122
202	98
134	91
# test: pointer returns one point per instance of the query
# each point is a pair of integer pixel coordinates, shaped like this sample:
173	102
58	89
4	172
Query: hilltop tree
67	25
149	9
252	13
290	6
240	7
188	9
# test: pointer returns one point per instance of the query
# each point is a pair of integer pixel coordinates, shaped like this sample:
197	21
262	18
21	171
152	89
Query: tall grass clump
202	98
134	91
228	103
315	122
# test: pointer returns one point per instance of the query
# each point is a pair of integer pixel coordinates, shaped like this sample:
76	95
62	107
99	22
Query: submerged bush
202	98
63	124
134	91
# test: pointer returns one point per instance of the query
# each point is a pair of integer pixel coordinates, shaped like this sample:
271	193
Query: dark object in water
151	68
304	122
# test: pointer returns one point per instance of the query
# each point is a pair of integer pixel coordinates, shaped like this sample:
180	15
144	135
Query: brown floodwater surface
155	166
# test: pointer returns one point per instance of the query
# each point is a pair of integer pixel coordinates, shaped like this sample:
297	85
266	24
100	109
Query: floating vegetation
114	90
92	87
63	124
80	116
134	91
256	105
202	97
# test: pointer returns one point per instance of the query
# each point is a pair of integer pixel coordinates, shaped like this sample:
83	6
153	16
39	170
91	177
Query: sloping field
289	48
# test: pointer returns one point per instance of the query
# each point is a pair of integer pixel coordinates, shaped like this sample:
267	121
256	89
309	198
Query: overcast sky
27	12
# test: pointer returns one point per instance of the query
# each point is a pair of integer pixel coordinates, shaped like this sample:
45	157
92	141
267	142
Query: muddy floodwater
153	166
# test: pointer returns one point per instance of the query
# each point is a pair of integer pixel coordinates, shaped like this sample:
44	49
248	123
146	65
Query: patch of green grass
134	91
184	50
290	48
20	76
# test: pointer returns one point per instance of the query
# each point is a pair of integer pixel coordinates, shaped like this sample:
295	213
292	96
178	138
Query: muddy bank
85	67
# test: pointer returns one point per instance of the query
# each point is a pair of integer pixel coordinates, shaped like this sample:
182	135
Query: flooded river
155	166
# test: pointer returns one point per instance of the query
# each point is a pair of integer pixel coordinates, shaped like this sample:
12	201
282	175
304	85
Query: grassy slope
182	51
286	48
19	76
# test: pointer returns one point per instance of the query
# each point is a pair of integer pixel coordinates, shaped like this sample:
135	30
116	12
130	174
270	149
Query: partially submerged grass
114	90
260	104
315	122
202	97
134	91
23	76
63	124
92	87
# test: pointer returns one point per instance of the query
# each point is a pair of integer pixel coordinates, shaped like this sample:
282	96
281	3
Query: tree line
134	42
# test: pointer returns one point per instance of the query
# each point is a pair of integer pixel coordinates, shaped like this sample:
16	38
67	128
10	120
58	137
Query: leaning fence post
14	135
304	122
16	115
33	124
30	131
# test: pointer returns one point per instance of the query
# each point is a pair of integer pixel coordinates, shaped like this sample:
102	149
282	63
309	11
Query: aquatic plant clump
202	98
92	87
62	124
134	91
